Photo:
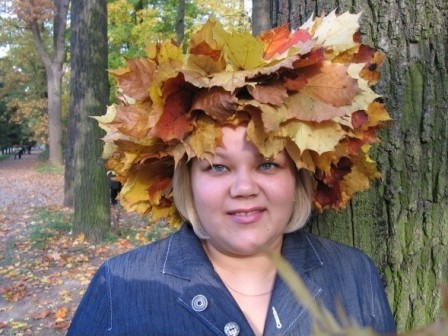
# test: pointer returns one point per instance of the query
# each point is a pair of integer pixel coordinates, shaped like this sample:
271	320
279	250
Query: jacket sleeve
94	313
381	316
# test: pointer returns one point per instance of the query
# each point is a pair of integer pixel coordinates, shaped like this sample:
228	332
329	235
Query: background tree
89	93
402	222
37	14
180	22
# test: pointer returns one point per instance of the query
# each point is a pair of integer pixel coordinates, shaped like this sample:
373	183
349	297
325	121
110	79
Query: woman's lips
246	216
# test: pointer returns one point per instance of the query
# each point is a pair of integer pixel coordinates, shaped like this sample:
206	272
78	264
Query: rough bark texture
402	221
89	95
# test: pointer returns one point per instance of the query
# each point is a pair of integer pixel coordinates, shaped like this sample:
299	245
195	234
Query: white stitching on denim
371	291
166	257
110	294
317	254
201	316
303	311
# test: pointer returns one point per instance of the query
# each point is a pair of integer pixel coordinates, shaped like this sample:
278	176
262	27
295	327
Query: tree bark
89	97
261	16
53	68
402	221
180	23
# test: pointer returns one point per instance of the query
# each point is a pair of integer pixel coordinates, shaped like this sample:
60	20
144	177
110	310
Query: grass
4	156
47	168
47	225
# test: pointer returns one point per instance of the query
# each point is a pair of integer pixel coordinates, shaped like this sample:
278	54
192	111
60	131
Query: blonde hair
183	198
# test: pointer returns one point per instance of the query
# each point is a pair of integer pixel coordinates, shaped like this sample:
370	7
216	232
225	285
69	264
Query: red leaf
280	39
174	123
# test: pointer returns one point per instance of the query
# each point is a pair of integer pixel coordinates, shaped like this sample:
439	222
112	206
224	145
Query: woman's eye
218	168
267	166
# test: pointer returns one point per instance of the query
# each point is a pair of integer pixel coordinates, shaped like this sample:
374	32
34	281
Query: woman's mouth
246	216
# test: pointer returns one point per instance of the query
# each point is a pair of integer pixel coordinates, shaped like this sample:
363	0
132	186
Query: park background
52	79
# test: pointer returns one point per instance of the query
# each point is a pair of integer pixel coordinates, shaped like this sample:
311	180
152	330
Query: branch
59	33
37	39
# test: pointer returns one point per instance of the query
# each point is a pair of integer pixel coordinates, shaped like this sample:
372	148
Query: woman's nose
244	185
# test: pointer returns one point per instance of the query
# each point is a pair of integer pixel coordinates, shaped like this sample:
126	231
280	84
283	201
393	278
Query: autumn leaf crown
307	91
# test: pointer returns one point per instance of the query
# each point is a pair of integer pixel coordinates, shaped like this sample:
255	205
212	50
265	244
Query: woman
241	190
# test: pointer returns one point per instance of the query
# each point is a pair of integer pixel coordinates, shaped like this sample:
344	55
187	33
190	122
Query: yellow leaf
319	137
267	143
205	139
336	32
243	50
80	238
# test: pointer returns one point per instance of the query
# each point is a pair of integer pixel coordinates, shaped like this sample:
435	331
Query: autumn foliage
308	91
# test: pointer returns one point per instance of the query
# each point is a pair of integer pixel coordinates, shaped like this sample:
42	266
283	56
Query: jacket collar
184	254
186	259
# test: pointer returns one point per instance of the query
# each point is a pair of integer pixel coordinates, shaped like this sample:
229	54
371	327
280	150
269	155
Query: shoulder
330	251
148	257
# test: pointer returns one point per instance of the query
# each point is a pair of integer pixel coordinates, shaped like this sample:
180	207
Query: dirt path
22	186
44	270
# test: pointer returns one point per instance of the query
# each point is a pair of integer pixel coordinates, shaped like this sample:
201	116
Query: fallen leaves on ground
45	270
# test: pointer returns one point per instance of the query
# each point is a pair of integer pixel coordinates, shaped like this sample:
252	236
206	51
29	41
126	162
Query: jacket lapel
203	294
286	313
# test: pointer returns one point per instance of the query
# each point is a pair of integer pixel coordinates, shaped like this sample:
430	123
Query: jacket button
232	329
199	303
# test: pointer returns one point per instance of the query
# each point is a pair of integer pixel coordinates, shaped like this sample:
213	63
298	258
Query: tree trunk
402	221
54	86
261	16
89	97
180	23
53	68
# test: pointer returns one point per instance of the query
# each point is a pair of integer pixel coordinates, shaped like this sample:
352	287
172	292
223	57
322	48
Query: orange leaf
136	79
61	313
280	39
331	84
174	123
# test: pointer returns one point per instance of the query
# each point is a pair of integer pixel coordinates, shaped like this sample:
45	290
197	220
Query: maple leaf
318	137
273	94
136	78
135	194
306	108
280	39
132	120
174	123
206	53
337	31
271	116
330	83
206	138
267	143
215	102
243	50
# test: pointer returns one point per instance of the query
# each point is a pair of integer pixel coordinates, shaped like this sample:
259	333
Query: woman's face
243	200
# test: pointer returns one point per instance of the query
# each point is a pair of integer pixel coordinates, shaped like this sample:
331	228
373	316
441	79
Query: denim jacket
170	288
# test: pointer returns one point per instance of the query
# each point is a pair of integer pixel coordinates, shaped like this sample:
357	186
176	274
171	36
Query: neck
252	275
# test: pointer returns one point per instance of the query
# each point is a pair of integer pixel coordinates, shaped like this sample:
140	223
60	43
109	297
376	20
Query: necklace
244	294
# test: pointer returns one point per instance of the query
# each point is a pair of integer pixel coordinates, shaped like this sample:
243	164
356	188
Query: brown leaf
215	102
273	94
136	79
41	315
